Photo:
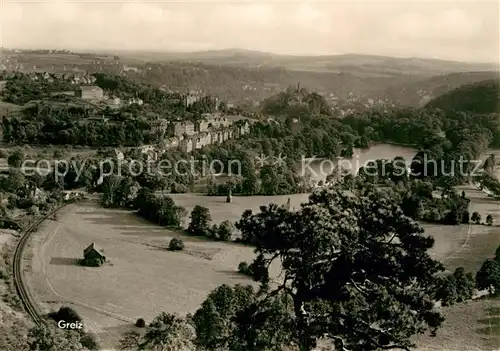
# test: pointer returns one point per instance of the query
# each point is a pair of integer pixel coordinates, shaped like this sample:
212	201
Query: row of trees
64	129
159	209
200	225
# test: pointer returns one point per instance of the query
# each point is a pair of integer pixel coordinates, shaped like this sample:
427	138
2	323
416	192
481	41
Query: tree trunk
302	330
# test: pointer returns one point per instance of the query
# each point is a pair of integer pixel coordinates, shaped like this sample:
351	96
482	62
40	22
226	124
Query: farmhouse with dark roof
93	256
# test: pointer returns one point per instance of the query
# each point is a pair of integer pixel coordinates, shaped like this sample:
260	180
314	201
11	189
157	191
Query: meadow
141	278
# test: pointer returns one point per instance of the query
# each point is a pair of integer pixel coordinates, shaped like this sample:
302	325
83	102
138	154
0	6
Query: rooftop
92	247
88	87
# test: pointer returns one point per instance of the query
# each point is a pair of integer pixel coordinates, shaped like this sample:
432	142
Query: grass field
474	325
141	278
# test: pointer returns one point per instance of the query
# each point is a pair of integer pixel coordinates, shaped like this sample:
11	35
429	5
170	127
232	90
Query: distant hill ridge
246	77
331	63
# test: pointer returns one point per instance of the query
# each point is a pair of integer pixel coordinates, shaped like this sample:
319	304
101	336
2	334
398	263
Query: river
319	169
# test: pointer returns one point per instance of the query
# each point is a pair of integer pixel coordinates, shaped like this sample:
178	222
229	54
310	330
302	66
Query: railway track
19	282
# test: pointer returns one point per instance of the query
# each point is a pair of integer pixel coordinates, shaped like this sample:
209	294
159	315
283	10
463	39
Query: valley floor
142	278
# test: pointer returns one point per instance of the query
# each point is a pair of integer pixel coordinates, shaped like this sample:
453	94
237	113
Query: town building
159	125
212	129
178	129
89	92
186	145
192	97
114	102
242	128
135	101
215	137
172	142
201	140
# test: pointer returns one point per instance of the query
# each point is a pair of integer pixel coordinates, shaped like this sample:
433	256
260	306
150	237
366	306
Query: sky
454	30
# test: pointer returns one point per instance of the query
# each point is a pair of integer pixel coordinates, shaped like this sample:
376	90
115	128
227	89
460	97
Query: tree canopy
355	267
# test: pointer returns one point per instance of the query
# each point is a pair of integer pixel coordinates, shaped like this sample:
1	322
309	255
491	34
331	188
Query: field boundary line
469	231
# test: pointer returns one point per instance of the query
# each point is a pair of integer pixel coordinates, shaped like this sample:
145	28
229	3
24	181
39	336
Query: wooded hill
480	97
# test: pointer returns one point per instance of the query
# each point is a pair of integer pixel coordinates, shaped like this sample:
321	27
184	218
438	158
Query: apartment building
178	129
159	125
186	145
202	140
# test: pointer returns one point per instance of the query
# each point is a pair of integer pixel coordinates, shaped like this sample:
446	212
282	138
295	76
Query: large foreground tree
354	267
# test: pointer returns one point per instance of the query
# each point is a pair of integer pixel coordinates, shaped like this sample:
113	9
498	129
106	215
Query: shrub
452	218
434	215
3	153
33	211
200	221
488	276
58	154
140	323
244	268
25	203
476	218
213	232
89	341
176	244
489	220
16	159
465	284
178	188
466	217
225	231
66	314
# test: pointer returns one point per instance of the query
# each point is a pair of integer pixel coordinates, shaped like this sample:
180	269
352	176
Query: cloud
457	22
451	30
135	12
450	24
